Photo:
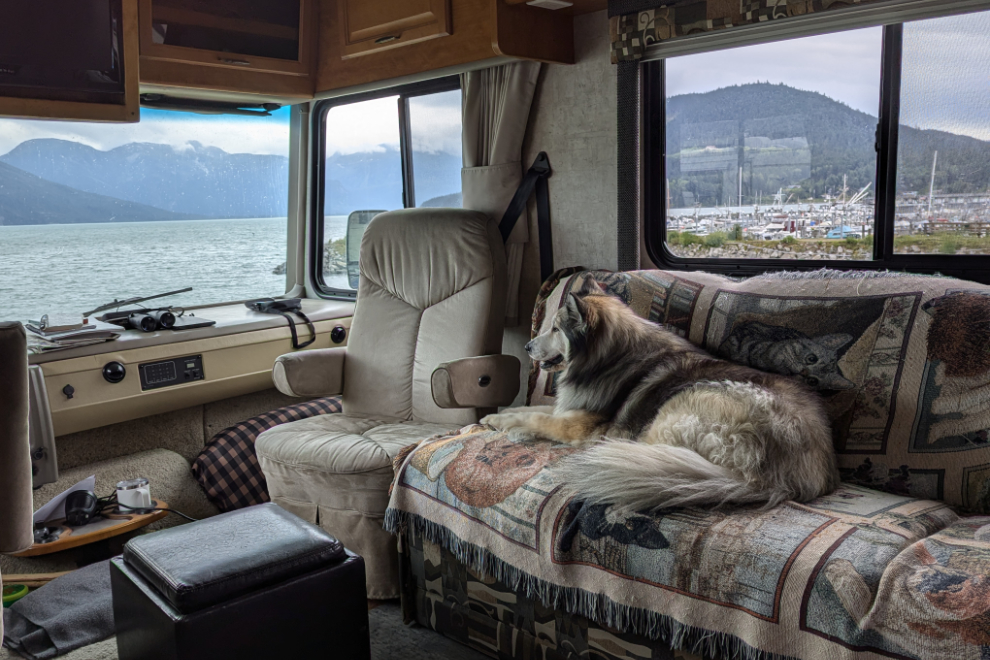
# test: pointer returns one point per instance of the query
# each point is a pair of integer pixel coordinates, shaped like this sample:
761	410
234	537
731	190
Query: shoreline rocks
333	262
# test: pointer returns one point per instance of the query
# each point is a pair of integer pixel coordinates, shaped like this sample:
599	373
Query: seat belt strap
292	329
534	179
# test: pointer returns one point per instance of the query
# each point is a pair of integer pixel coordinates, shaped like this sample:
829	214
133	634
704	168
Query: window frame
318	169
653	123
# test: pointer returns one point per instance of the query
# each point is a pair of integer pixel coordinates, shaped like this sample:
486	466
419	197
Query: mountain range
144	181
802	141
26	199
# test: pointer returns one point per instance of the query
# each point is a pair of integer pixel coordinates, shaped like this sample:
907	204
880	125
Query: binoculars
159	319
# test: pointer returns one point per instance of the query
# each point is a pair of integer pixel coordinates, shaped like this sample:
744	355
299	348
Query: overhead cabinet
253	46
70	60
366	41
372	25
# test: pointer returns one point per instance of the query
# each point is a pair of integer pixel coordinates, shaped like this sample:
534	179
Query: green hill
801	141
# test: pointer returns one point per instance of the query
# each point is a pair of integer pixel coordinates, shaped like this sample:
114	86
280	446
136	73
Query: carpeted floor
390	640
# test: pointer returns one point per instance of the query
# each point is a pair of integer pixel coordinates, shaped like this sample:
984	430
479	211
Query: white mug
135	494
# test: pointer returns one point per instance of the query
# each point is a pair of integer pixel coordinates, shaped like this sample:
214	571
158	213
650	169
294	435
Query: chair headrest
423	256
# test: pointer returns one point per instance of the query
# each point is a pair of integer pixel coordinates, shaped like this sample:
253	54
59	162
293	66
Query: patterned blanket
859	573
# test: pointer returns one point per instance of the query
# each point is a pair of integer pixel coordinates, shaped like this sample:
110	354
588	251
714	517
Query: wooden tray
110	525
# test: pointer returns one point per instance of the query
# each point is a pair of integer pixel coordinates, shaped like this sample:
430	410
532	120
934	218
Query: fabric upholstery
901	361
496	109
16	527
858	569
313	373
335	470
228	468
432	290
458	384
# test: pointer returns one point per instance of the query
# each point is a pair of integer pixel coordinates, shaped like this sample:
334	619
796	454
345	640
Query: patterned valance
632	32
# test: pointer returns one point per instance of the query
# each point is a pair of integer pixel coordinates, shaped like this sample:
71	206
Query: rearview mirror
357	222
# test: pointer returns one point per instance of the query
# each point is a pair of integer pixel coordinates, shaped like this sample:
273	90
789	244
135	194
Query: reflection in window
943	164
770	149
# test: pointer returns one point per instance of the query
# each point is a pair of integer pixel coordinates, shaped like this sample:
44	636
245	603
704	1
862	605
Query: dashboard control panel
171	372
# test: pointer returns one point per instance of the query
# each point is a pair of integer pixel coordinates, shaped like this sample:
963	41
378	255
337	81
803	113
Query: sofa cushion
901	361
857	570
335	471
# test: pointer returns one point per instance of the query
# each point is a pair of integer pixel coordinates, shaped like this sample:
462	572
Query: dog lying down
666	423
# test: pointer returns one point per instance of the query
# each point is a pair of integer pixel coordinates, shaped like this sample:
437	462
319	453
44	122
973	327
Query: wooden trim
128	112
72	538
34	580
532	33
175	76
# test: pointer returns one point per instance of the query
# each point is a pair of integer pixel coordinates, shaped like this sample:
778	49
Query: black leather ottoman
253	583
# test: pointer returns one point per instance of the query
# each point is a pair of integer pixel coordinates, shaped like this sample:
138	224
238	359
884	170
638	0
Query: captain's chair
431	298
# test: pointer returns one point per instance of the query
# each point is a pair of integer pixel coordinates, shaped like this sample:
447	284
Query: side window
868	148
398	149
943	158
770	151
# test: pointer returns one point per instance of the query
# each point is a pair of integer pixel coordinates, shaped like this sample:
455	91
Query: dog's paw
503	421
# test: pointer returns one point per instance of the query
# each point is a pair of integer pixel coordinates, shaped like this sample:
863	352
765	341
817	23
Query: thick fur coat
667	424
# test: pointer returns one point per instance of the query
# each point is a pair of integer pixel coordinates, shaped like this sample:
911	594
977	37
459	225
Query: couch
893	564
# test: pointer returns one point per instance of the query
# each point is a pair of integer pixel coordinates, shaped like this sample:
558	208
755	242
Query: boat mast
931	187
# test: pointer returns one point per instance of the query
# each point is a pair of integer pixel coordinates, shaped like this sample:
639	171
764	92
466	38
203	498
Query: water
74	268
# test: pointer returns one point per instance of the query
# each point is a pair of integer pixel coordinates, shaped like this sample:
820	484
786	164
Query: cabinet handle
385	40
237	62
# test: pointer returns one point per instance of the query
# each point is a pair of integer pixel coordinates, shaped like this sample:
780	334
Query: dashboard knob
114	372
338	334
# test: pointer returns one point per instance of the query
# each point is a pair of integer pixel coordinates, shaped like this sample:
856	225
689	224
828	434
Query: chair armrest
315	373
488	381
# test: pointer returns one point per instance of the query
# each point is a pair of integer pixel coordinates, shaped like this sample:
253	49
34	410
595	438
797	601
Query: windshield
91	212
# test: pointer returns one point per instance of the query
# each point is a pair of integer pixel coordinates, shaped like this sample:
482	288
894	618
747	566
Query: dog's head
554	348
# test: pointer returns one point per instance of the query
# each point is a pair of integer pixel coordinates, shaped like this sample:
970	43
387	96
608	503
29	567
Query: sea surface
76	267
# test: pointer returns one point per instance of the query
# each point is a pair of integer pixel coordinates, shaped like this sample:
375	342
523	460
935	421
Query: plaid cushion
228	468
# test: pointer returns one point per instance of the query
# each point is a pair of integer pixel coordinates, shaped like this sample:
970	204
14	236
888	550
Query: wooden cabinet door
373	25
278	36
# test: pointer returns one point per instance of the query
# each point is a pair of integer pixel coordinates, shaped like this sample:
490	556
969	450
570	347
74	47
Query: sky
373	125
232	133
844	66
358	127
945	80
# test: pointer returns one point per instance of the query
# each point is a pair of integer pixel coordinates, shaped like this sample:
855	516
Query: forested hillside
801	141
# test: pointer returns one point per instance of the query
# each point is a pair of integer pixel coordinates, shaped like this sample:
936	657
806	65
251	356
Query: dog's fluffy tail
641	477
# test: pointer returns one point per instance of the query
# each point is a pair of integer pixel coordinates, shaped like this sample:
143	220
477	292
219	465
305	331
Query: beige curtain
496	104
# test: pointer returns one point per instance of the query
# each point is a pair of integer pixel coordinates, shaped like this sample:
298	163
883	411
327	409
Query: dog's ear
590	286
576	307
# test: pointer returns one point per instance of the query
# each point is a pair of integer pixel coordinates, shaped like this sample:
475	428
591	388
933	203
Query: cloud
945	75
844	66
435	122
233	134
